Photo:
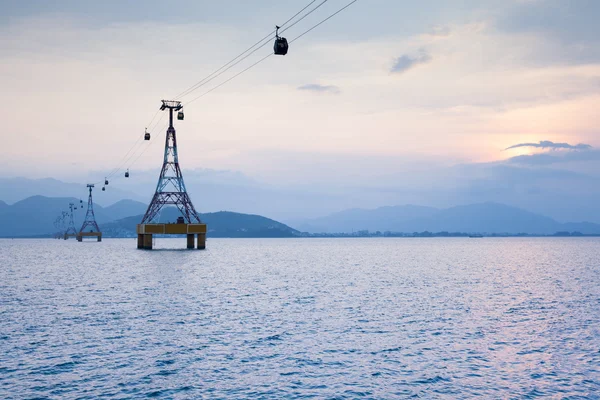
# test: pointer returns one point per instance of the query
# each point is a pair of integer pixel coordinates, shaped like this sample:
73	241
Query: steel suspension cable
255	50
144	151
229	65
131	152
152	120
323	21
203	81
270	54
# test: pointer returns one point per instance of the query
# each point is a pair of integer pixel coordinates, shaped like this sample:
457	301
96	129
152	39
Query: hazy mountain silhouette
209	191
562	195
16	189
35	216
487	217
480	218
380	219
125	208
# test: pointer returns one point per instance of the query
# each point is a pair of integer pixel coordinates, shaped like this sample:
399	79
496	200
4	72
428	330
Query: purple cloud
546	144
315	87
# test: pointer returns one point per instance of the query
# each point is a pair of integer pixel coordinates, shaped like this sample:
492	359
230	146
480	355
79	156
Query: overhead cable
251	50
270	54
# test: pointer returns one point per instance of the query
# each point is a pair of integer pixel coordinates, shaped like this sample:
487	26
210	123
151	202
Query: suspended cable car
105	181
127	174
146	134
81	202
281	45
103	189
180	115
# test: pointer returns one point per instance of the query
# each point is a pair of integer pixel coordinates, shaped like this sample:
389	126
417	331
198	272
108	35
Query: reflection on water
343	318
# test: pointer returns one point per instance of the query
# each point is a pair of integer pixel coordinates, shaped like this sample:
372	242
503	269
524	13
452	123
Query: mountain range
474	218
16	189
563	196
36	215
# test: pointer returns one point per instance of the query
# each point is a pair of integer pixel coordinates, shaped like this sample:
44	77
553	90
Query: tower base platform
81	235
145	232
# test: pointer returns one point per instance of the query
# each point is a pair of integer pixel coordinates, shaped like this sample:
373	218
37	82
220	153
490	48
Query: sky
454	100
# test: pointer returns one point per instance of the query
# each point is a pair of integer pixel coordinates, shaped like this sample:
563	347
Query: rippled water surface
301	318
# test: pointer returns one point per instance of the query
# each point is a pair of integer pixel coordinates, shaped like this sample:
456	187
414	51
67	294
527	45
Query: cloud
406	62
546	144
555	158
315	87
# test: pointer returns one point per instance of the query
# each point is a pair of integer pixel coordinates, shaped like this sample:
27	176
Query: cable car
180	115
103	189
81	202
127	174
105	181
281	45
146	135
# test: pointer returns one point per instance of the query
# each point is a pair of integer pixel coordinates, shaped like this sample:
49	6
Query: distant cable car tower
71	231
89	221
60	224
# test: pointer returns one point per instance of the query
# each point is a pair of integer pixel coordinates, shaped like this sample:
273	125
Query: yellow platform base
81	235
145	232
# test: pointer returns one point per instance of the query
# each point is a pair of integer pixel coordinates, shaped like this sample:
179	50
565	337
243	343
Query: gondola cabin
127	174
281	46
105	181
146	136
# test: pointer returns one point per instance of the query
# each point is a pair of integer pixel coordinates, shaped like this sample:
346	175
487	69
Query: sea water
301	318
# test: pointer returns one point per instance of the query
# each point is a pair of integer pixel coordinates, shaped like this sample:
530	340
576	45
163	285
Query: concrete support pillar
147	242
201	241
190	241
140	241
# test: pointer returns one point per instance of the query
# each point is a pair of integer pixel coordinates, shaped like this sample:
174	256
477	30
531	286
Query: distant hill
380	219
36	215
220	224
474	218
486	218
